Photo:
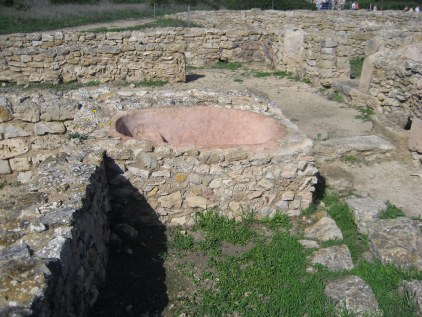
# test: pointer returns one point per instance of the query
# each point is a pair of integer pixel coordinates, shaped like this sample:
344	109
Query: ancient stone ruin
83	156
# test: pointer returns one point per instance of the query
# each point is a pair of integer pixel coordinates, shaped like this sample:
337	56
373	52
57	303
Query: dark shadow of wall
136	277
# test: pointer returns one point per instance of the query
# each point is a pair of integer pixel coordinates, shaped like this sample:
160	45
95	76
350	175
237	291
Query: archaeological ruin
84	155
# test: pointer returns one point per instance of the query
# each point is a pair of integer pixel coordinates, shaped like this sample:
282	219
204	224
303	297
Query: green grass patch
151	83
351	159
278	221
261	74
385	281
391	212
268	280
336	97
76	135
340	212
219	228
365	113
179	239
227	65
356	67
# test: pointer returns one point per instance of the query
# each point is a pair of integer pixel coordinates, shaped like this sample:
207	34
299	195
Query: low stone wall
53	250
84	57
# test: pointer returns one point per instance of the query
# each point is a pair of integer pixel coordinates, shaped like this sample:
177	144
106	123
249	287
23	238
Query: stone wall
53	250
84	57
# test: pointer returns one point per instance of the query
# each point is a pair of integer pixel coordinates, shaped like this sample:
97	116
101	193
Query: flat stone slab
414	289
365	143
323	230
397	241
351	293
336	258
365	211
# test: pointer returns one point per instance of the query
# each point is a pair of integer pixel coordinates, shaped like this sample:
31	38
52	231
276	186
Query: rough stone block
12	147
5	167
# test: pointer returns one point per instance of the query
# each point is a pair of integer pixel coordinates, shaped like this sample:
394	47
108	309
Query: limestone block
354	295
329	43
6	111
20	164
42	128
323	230
415	138
173	200
294	51
5	167
12	147
196	202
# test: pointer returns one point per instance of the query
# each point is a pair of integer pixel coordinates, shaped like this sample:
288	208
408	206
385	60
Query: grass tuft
150	83
391	212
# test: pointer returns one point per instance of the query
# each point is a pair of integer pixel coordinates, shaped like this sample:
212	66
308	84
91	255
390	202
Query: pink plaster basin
200	126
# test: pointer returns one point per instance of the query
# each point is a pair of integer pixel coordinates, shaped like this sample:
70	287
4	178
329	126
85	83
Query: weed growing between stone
365	113
150	83
351	159
391	212
356	67
340	212
227	65
336	97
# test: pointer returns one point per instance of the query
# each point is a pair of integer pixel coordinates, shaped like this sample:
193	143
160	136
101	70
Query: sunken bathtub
232	152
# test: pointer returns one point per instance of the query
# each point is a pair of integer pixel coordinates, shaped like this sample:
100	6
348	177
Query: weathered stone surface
365	212
20	164
5	167
10	131
414	289
323	230
397	241
415	138
336	258
42	128
12	147
366	143
173	200
59	111
351	293
196	202
6	111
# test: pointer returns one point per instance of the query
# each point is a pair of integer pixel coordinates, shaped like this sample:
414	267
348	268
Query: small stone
309	244
180	177
288	196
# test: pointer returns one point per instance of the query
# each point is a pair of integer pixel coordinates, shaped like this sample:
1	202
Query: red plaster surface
201	126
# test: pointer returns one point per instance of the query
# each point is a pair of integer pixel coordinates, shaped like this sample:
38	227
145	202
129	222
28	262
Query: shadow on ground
193	77
135	283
